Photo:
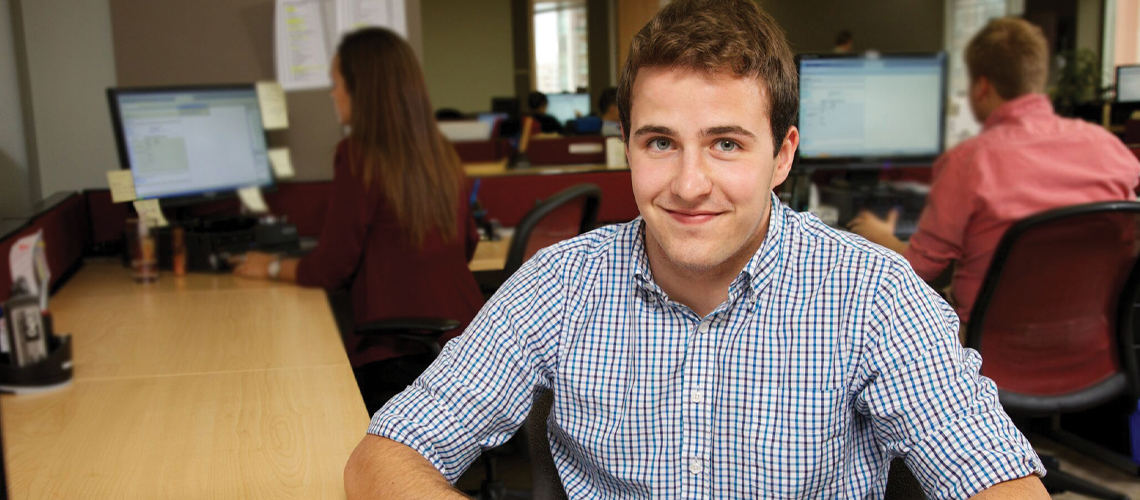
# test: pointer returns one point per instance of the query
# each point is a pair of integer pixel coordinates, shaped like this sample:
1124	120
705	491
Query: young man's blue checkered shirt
829	358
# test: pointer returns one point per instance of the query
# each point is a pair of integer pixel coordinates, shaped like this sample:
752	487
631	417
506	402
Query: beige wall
1127	32
14	187
70	61
467	52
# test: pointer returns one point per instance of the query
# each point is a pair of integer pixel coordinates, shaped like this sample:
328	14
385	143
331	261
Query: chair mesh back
563	223
1050	325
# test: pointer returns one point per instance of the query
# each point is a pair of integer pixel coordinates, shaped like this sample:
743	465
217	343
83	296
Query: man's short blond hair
1012	54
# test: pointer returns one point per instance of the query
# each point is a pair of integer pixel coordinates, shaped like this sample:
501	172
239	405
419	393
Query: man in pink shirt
1026	160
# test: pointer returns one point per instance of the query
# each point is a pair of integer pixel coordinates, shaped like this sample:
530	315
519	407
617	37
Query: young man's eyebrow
727	129
654	129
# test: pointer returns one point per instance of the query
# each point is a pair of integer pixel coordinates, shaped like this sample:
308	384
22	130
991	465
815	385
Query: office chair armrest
425	331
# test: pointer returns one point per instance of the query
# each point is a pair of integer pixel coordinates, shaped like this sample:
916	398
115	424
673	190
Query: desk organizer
53	370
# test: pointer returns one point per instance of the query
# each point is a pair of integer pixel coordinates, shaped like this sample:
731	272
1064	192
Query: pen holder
53	370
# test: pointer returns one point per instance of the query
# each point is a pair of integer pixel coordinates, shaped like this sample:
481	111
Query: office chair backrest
1054	309
545	482
562	216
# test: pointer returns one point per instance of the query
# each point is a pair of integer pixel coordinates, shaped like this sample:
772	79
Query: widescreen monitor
566	107
1128	83
871	110
191	142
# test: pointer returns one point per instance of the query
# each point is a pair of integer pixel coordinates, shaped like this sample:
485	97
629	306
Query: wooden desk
204	386
492	255
499	169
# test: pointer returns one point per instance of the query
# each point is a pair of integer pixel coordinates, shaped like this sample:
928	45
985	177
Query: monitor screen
872	108
566	107
181	142
1128	83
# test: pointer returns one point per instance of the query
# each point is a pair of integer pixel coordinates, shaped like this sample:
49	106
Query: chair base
1091	449
1057	481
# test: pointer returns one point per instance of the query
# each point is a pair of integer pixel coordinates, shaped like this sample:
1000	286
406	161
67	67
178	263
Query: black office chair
564	215
1053	320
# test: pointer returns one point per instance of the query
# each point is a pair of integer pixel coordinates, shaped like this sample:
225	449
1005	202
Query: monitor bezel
1116	84
190	197
875	161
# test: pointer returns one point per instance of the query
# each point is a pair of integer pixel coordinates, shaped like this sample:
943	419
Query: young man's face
703	165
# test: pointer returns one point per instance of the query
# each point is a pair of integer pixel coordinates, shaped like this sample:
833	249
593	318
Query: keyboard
908	198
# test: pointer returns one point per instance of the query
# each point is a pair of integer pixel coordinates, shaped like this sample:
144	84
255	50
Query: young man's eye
660	144
726	145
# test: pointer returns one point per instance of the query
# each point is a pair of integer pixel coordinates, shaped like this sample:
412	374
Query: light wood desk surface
204	386
499	169
492	255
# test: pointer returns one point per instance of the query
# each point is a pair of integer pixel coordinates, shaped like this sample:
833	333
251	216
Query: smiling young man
721	345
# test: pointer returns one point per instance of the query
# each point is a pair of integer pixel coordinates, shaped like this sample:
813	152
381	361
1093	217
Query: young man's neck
702	290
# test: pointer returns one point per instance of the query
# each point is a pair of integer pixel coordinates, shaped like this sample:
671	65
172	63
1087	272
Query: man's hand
876	230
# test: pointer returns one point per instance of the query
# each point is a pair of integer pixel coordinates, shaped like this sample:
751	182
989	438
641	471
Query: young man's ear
785	156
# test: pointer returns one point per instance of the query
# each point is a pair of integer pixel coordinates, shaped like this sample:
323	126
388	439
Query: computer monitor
871	111
566	107
190	143
1128	83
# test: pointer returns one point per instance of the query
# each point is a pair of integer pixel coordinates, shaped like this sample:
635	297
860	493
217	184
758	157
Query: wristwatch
274	269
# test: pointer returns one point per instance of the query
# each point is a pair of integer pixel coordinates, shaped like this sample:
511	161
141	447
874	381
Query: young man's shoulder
810	240
601	243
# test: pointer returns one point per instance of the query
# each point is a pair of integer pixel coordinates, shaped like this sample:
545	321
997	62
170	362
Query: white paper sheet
22	261
252	200
151	212
282	163
301	47
122	186
352	15
271	98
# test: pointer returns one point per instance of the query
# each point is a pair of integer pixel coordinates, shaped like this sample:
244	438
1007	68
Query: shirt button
697	397
704	328
695	467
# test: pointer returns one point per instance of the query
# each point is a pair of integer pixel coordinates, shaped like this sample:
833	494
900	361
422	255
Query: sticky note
282	163
252	200
150	212
271	97
122	186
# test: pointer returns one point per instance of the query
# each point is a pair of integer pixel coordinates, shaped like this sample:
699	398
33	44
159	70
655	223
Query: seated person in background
721	345
844	42
1026	160
607	106
542	122
397	230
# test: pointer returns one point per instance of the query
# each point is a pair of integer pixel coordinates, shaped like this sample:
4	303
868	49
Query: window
560	45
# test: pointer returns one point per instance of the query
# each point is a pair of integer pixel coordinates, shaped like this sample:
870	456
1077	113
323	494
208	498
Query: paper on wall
150	212
282	163
300	45
352	15
252	200
122	186
271	100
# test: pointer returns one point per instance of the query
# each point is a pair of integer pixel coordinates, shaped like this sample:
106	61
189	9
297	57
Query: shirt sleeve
927	400
343	235
942	225
479	390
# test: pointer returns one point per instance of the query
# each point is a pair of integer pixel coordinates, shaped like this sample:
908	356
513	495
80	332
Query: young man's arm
1026	488
928	403
380	468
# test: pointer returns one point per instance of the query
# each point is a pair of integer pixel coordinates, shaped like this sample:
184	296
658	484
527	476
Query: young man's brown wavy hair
718	36
1012	54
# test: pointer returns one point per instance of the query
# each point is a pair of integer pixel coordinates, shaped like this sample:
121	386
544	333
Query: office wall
14	188
883	25
70	60
467	52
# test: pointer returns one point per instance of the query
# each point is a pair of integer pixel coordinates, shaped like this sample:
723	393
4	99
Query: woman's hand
254	266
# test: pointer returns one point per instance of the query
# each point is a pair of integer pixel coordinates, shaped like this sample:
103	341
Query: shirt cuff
413	419
989	450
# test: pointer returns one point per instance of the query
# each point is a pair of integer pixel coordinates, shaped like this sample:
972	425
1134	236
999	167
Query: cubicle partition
63	218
